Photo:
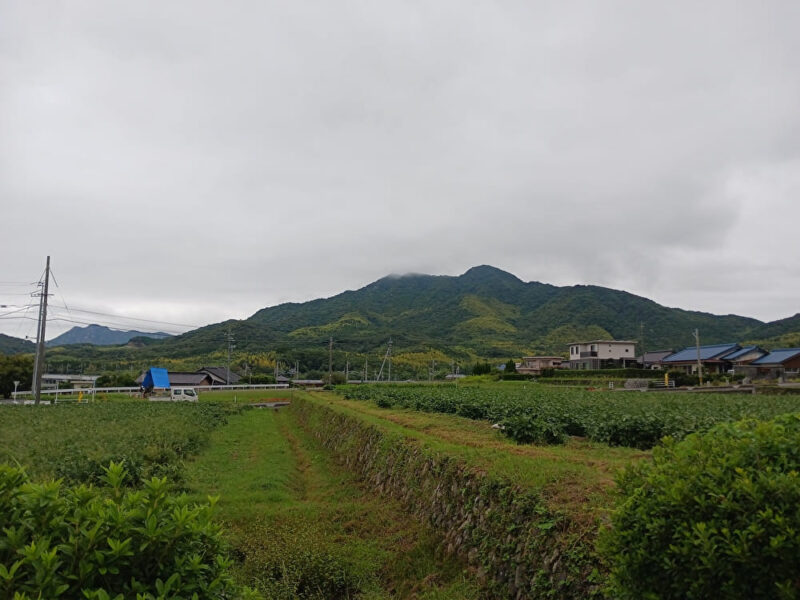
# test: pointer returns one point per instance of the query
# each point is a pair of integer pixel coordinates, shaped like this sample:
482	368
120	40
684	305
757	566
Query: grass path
301	526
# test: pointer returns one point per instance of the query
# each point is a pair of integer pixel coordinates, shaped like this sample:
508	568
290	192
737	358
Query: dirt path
301	524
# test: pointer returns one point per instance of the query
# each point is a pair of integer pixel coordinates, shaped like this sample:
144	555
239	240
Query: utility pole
699	364
39	365
297	369
387	356
364	378
330	361
641	341
346	367
231	346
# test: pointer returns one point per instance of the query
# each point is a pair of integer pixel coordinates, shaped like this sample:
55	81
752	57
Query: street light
16	383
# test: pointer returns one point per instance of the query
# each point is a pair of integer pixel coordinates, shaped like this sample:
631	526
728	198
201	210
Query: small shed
156	377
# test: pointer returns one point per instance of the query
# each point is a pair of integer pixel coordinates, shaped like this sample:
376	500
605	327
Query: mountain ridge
484	312
100	335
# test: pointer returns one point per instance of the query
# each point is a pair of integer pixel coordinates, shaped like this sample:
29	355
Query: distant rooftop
715	351
777	357
604	342
741	352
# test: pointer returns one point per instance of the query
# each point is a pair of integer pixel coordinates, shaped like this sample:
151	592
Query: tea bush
714	516
632	419
58	541
75	442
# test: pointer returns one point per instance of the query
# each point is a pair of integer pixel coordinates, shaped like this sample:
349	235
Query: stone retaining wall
519	548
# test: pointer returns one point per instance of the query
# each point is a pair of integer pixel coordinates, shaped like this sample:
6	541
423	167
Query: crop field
369	492
548	414
76	441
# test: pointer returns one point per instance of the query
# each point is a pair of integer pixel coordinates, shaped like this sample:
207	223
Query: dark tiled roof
777	357
742	352
655	355
179	378
220	374
706	353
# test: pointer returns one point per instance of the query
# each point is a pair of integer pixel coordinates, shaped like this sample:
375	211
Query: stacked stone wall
518	547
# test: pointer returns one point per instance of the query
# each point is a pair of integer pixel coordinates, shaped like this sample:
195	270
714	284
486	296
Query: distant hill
99	335
485	312
12	345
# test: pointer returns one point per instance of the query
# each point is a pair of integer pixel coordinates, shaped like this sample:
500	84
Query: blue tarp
156	377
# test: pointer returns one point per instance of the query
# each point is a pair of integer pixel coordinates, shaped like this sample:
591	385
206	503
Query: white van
179	394
184	395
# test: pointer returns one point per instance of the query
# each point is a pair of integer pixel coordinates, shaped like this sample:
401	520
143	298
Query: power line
94	312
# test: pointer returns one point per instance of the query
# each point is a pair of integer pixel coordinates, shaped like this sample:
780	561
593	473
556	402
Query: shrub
288	559
530	429
714	516
86	542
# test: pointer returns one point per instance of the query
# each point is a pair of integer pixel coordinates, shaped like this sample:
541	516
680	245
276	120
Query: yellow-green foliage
488	307
484	325
348	321
421	360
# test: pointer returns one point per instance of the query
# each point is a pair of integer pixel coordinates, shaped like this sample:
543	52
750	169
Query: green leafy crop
714	516
104	543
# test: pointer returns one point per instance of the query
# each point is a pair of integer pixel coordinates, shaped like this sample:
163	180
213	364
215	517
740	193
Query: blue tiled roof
742	352
706	352
777	356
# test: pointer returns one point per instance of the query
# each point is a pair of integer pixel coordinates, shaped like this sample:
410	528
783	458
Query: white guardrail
136	390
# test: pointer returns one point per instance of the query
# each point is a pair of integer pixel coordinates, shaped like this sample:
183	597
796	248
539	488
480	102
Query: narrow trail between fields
301	526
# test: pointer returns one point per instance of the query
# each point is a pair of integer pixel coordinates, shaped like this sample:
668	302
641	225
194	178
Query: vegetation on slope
483	313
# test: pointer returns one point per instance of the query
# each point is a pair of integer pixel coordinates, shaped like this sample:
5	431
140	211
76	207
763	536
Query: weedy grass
301	526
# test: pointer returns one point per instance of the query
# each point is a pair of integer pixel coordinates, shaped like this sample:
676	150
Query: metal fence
135	390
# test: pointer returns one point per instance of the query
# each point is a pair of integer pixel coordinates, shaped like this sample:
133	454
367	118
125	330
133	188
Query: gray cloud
193	161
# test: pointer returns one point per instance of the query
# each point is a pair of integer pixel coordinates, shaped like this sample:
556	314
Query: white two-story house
602	354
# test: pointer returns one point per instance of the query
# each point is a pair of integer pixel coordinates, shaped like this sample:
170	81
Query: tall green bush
58	541
714	516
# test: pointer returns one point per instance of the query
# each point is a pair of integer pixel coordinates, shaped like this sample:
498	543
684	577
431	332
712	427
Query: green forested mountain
12	345
485	312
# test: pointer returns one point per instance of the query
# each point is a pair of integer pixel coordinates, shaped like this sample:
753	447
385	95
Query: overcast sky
190	161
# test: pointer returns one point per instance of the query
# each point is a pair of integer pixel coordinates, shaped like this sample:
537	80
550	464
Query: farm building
533	365
784	362
602	354
219	375
653	358
716	358
201	377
